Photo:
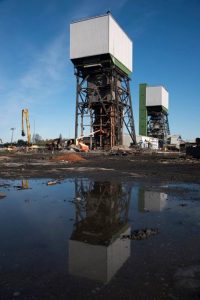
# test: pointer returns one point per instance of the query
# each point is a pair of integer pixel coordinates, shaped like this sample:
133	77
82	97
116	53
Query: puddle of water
65	239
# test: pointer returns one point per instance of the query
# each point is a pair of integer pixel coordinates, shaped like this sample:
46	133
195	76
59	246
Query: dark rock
141	234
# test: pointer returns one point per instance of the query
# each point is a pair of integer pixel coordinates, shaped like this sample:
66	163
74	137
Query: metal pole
82	122
91	128
34	133
101	128
133	135
76	112
12	129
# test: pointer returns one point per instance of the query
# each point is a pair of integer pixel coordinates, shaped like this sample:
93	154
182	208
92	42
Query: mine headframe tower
102	56
103	102
158	124
153	112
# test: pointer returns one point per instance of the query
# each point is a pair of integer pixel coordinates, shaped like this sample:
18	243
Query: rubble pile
70	157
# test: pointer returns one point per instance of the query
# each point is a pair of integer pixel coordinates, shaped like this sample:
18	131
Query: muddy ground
155	222
148	167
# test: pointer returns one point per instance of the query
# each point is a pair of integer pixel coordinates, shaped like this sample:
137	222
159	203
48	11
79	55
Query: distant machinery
102	56
153	112
54	144
25	115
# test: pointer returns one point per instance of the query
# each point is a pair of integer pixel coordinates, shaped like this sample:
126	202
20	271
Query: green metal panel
141	203
120	65
142	110
165	110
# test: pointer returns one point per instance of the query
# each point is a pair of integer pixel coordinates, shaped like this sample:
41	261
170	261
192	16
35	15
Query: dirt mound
4	158
72	157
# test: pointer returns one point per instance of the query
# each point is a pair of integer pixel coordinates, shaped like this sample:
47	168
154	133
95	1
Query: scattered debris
21	187
121	148
4	158
53	182
5	185
183	204
141	234
70	157
74	148
78	198
18	187
2	195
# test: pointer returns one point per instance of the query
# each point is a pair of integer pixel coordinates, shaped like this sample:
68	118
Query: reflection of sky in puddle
80	222
189	186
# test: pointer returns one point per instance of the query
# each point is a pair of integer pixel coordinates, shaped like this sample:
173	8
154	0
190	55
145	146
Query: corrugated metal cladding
100	35
89	37
157	96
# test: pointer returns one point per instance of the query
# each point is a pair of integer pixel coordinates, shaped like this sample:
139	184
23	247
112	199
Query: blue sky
36	73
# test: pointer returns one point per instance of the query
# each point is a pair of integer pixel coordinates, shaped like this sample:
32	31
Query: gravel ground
172	168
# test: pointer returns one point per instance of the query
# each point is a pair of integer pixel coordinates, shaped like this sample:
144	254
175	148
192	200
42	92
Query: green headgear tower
153	112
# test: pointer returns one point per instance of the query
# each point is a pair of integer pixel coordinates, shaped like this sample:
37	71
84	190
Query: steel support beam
103	103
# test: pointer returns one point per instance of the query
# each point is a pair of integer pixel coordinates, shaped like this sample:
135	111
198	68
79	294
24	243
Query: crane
25	115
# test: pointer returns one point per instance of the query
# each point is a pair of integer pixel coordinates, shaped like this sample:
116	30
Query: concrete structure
175	141
127	141
102	56
147	142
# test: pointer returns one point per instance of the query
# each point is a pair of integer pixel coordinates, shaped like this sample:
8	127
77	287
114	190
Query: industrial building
153	112
102	56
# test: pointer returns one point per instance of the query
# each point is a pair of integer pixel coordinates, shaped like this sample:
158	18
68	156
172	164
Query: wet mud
170	168
83	238
99	226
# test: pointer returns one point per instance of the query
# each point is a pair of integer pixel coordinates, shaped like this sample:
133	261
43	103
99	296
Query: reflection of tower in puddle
96	250
25	184
151	200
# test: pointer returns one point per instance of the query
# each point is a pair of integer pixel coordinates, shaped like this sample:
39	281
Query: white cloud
46	75
48	68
